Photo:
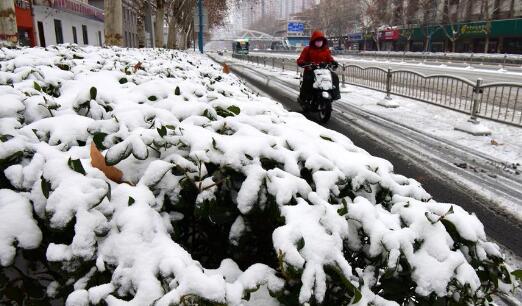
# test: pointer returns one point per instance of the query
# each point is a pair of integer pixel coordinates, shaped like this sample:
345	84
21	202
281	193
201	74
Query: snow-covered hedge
226	196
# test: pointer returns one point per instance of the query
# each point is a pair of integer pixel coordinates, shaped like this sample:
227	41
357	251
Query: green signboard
479	29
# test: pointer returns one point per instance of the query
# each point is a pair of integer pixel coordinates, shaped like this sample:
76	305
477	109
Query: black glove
304	64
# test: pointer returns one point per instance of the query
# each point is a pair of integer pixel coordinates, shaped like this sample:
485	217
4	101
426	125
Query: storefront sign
475	28
389	35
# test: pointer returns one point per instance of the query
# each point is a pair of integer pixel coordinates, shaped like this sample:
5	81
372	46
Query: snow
165	116
17	226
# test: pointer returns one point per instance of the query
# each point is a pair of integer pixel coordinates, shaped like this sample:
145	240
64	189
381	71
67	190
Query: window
100	38
58	31
75	35
41	34
85	35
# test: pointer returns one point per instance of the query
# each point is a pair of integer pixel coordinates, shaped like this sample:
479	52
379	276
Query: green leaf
46	187
162	131
37	86
249	157
109	192
153	98
177	91
214	144
93	92
12	158
300	244
517	274
234	109
131	201
123	81
327	138
98	139
76	165
343	210
170	127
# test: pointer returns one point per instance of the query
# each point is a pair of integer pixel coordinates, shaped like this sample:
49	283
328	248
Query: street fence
470	59
495	101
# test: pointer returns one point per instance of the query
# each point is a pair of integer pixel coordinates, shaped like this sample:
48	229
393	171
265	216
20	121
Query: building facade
67	21
492	26
130	21
24	23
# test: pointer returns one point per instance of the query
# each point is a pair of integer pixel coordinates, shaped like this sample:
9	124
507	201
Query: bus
240	46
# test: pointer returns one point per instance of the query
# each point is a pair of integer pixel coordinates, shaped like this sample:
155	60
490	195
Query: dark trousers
306	90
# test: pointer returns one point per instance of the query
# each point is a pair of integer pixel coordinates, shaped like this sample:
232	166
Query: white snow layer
165	109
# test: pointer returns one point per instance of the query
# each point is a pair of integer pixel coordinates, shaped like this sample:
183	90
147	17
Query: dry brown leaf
98	161
139	65
226	69
495	143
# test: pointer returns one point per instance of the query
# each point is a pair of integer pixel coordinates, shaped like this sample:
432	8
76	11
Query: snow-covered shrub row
226	196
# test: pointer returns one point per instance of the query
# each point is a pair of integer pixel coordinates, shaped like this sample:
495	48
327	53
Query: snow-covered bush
226	196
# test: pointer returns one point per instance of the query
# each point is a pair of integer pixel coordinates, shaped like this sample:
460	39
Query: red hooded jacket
312	54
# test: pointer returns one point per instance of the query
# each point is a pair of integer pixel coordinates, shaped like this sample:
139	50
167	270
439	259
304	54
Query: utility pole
200	34
8	27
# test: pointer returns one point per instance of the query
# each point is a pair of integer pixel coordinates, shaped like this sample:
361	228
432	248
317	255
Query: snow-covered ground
109	143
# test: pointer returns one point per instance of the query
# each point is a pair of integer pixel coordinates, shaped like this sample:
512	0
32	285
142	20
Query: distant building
130	21
67	21
25	24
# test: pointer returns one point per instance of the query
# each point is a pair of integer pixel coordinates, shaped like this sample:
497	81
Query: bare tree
452	13
336	17
142	6
8	29
160	22
489	10
406	14
373	18
113	22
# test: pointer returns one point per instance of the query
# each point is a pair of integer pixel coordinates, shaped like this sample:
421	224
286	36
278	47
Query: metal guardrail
495	101
470	59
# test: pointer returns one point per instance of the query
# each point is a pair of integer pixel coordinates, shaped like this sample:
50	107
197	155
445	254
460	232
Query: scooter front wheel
325	112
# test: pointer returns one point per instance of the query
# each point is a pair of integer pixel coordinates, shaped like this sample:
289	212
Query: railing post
387	101
477	91
471	60
343	76
388	84
296	69
264	62
504	62
283	64
273	62
473	126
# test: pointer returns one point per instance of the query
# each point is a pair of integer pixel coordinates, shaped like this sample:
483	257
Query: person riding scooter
315	54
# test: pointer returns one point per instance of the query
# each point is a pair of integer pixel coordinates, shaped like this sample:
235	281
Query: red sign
392	34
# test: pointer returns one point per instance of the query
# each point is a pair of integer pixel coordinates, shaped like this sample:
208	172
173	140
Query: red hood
316	36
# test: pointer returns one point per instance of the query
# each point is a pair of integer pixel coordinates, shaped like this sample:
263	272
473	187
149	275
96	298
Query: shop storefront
388	38
24	21
353	41
500	36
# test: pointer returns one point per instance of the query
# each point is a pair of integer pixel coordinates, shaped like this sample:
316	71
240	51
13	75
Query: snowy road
488	73
431	161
